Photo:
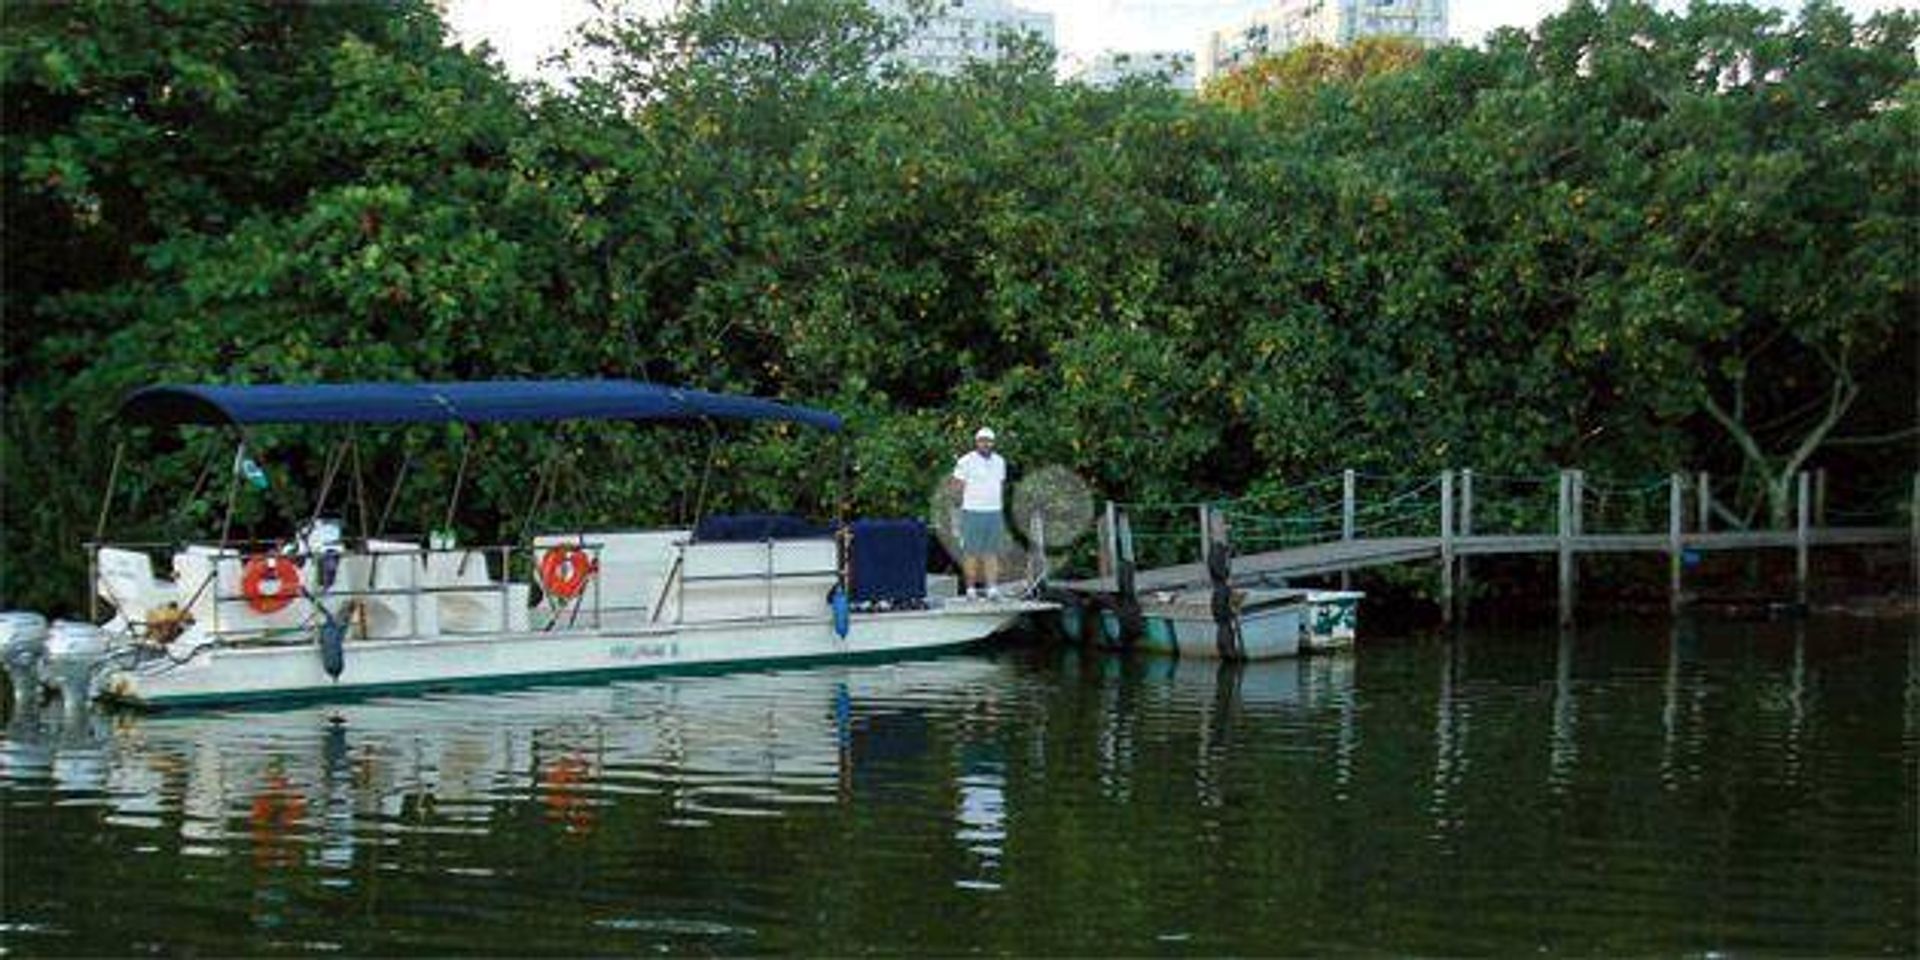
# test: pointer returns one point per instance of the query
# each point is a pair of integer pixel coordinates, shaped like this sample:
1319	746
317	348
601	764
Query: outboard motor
73	651
23	644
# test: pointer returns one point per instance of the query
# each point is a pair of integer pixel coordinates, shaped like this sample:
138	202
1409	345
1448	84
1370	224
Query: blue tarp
483	401
889	560
755	527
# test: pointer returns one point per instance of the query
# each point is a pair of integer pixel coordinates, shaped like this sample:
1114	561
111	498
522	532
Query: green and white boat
1268	623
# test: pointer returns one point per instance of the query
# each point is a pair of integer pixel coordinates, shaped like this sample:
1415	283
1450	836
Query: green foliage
1629	241
1285	83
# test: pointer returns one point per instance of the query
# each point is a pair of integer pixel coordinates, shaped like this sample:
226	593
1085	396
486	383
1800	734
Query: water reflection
740	746
1450	726
1723	787
1564	741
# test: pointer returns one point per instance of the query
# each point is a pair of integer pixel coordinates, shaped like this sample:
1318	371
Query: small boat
1266	623
1332	621
319	613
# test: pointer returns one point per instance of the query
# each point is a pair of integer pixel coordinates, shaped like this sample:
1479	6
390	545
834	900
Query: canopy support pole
459	479
233	489
106	496
706	470
359	478
335	461
393	496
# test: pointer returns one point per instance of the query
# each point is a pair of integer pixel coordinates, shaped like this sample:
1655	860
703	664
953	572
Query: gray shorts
982	531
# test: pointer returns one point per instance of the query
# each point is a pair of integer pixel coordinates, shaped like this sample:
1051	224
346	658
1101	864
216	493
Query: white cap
984	433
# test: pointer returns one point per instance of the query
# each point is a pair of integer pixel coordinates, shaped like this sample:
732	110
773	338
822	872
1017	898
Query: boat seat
392	606
475	610
124	578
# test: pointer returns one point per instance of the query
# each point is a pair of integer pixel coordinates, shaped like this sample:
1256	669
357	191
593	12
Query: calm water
1730	787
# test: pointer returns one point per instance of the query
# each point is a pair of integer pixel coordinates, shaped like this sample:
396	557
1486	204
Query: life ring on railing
564	571
253	583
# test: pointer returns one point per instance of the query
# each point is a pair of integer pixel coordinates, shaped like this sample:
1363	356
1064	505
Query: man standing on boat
981	478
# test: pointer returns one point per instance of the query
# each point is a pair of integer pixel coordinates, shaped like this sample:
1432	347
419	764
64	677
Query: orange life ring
564	571
259	570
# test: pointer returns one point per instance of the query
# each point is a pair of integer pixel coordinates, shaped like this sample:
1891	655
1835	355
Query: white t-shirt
983	478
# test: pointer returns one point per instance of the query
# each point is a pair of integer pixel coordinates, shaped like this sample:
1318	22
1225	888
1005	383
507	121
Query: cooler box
889	561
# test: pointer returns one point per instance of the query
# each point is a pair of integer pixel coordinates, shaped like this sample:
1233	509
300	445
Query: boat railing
360	581
758	565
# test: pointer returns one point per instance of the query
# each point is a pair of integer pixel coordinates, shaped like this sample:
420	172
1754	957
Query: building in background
1295	23
954	33
1175	68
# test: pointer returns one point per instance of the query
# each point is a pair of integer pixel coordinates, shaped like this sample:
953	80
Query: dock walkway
1690	514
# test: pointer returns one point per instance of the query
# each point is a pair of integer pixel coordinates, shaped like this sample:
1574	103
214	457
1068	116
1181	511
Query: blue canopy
482	401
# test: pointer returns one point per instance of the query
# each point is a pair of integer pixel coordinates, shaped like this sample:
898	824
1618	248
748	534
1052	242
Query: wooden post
1466	530
1820	497
1206	532
1566	548
1676	544
1703	500
1108	542
1347	485
1579	503
1214	527
1446	546
1803	516
1579	525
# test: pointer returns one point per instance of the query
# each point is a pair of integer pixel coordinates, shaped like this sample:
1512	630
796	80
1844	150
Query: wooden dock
1688	532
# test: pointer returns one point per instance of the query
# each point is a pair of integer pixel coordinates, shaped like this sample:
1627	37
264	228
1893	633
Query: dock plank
1337	556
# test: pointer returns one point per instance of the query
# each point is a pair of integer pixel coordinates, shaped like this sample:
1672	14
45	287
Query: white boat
320	614
1266	624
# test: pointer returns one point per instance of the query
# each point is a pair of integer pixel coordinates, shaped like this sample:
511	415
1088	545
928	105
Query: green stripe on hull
351	693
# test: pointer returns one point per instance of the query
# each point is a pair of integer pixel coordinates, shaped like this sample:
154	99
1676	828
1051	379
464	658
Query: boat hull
1270	627
242	673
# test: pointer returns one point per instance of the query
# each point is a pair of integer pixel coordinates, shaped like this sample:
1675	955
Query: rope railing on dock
1324	509
1626	508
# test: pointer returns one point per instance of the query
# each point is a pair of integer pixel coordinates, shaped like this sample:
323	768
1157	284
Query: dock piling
1446	546
1466	531
1565	545
1676	549
1205	512
1108	540
1803	512
1347	484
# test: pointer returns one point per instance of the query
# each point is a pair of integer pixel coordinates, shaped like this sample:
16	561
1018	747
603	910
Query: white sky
524	31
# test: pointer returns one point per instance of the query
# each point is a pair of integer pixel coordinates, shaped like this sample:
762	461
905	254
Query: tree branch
1871	439
1748	445
1844	393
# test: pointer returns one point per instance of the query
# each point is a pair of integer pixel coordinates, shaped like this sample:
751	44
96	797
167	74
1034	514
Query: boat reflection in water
710	746
749	744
